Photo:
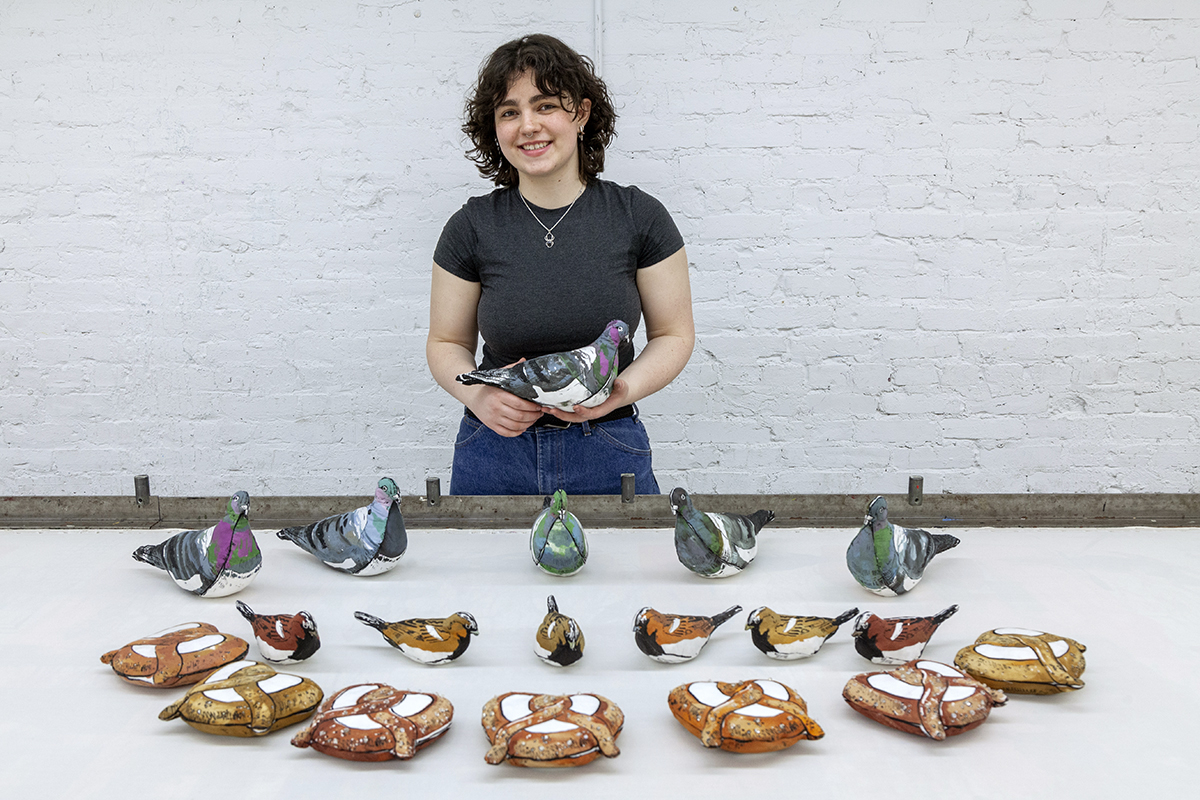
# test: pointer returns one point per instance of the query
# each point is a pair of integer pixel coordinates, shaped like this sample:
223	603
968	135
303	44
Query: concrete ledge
605	511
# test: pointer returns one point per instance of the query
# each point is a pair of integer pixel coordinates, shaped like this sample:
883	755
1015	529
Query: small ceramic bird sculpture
213	562
890	559
559	640
788	637
556	541
715	545
367	541
426	641
672	638
283	638
895	640
561	380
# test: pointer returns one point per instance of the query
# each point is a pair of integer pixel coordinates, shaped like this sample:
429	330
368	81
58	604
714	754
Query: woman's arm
450	351
670	336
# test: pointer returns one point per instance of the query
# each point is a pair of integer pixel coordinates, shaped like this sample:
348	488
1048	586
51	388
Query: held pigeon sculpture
672	638
367	541
558	641
715	545
889	559
582	377
283	638
790	637
213	562
556	541
426	641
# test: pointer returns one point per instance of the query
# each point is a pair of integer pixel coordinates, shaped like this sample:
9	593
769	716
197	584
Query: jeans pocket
469	430
627	434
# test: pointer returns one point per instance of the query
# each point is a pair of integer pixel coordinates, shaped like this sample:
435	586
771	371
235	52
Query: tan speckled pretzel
732	725
584	737
258	712
1047	673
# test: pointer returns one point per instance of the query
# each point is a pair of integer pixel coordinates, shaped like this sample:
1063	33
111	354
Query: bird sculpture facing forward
213	562
715	545
889	559
672	638
426	641
582	377
283	638
791	637
558	641
556	541
367	541
896	640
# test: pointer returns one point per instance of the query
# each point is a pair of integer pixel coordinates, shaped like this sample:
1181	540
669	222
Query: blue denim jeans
588	458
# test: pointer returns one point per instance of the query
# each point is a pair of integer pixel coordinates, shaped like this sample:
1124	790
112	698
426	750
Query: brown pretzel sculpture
245	698
755	716
375	722
546	730
926	698
1023	661
175	657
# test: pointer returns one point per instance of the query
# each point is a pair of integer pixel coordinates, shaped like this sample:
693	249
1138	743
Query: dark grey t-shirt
536	299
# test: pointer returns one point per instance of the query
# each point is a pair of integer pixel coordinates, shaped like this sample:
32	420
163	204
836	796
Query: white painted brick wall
942	238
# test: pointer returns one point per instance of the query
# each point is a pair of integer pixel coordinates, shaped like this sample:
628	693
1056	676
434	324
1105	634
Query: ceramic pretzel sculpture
177	656
245	698
375	722
546	730
1023	661
925	698
755	716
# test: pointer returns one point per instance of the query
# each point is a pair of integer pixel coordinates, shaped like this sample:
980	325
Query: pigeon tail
845	617
943	542
479	376
942	616
724	616
245	610
150	554
367	619
761	518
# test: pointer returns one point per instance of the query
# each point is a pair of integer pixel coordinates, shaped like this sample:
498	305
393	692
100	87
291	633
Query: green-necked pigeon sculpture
213	562
890	559
556	541
365	541
582	377
715	545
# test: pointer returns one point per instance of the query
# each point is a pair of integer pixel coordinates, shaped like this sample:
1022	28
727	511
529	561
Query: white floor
71	728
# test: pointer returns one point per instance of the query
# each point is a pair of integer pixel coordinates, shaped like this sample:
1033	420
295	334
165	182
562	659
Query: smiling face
539	133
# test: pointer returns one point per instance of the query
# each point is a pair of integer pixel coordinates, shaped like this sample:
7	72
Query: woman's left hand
618	398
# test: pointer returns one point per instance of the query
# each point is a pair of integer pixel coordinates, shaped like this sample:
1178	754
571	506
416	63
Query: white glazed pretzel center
516	706
275	683
709	694
889	684
411	704
1006	653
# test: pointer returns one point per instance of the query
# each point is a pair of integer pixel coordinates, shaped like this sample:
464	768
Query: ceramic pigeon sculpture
582	377
889	559
556	541
896	640
283	638
790	637
367	541
426	641
715	545
672	638
558	641
214	562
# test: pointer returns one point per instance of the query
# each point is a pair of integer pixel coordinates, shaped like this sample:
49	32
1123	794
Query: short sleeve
455	251
660	237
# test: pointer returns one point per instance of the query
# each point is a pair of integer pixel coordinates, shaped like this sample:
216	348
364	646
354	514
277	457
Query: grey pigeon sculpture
213	562
557	542
582	377
890	559
715	545
366	541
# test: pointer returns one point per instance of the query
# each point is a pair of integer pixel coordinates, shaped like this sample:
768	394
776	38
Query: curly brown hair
557	71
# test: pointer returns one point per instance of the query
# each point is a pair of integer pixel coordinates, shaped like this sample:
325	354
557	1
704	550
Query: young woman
541	265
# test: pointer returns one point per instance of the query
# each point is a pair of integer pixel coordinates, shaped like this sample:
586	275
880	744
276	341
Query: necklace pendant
549	239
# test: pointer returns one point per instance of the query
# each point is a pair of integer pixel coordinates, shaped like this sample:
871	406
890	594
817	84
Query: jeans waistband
551	421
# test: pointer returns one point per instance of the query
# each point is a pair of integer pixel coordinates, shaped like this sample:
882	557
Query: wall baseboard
605	511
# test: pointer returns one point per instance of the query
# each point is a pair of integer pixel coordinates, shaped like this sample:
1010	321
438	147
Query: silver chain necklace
549	237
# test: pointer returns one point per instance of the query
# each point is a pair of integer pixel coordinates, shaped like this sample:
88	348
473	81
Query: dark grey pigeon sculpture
715	545
890	559
582	377
365	541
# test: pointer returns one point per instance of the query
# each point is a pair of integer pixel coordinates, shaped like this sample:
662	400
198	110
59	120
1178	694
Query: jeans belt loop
587	427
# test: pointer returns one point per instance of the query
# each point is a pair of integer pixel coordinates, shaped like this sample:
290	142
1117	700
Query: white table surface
71	728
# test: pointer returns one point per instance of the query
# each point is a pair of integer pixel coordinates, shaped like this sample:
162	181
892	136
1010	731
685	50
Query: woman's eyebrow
535	99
